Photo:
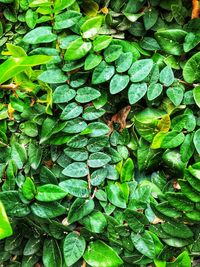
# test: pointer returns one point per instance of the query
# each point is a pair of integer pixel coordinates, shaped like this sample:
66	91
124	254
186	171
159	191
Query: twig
10	86
84	264
89	180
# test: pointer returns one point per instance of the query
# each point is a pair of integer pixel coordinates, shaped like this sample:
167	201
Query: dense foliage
99	133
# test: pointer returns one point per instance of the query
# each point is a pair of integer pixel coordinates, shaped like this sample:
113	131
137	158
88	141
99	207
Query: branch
195	9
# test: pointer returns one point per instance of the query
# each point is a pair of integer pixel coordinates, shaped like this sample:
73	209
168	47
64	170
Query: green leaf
102	73
191	69
76	170
166	76
91	27
5	228
76	154
66	19
127	171
175	94
144	243
51	253
32	246
116	196
96	129
63	94
182	260
191	40
76	187
91	113
62	4
19	154
101	42
150	17
98	159
48	210
179	201
177	229
196	141
14	207
50	192
172	139
77	49
135	220
29	189
75	126
73	248
80	208
95	222
118	83
171	41
107	257
87	94
53	76
154	90
92	61
50	126
98	176
196	94
136	92
13	66
35	155
112	52
71	111
40	35
189	191
124	62
140	70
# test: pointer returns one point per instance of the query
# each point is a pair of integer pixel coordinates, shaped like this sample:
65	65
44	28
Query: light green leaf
107	257
124	62
91	26
140	70
175	94
98	159
63	94
40	35
118	83
154	90
5	227
76	170
101	42
76	187
50	192
87	94
13	66
102	73
196	141
112	52
92	61
166	76
136	92
66	19
77	49
53	76
71	111
196	94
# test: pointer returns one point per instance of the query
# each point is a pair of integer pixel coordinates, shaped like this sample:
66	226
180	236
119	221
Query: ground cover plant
99	133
